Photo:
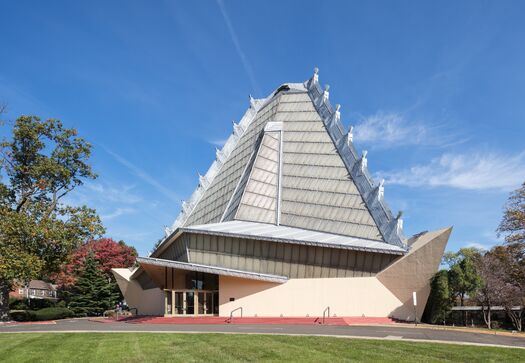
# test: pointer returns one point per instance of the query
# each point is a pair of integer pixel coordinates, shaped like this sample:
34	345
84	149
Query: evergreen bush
53	313
93	292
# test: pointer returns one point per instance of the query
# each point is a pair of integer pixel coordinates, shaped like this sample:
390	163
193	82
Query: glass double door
192	302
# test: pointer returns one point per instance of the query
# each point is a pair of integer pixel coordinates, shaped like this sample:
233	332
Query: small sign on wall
414	298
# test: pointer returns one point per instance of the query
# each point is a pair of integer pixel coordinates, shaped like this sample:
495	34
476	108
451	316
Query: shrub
20	315
51	314
37	304
17	304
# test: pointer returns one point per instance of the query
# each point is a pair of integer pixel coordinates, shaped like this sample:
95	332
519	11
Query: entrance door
190	303
179	303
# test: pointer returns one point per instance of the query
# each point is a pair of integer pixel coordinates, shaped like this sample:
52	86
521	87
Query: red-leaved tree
108	253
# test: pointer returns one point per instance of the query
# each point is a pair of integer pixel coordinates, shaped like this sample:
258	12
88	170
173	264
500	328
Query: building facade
287	222
36	289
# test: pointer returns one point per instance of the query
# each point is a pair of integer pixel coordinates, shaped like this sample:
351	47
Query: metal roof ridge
391	227
222	156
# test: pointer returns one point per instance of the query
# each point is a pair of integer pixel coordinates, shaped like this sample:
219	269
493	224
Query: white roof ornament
399	223
364	161
381	189
185	206
326	94
237	129
167	231
203	181
337	114
350	136
315	77
219	155
252	102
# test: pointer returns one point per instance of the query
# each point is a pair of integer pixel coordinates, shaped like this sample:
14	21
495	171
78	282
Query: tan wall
387	294
355	296
148	302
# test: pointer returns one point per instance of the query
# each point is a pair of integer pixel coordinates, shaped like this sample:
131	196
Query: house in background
36	289
287	222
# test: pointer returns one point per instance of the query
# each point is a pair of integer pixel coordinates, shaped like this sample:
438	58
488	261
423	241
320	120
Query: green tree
439	302
93	292
41	163
463	276
512	225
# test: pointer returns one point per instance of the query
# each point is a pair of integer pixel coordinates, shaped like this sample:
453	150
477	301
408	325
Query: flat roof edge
399	252
212	269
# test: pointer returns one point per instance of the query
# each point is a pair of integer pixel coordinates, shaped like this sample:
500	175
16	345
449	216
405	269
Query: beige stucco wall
355	296
148	302
387	294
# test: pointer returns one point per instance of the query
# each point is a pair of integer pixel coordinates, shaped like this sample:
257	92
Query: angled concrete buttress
413	271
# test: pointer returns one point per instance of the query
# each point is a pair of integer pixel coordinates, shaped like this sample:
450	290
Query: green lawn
158	347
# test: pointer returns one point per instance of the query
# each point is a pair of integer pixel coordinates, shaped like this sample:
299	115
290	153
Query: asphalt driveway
393	332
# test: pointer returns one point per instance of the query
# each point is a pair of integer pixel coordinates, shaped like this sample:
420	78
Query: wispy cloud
144	176
117	213
120	194
218	142
392	129
479	246
471	171
233	34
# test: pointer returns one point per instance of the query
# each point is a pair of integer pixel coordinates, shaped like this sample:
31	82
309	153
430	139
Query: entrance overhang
151	265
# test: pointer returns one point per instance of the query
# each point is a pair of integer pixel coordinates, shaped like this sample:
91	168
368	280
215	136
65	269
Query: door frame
169	309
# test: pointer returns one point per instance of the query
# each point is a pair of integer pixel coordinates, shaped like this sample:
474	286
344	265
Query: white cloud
390	129
218	142
117	213
233	34
473	171
479	246
144	176
120	194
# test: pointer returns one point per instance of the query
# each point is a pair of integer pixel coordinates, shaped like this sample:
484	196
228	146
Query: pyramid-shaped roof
290	163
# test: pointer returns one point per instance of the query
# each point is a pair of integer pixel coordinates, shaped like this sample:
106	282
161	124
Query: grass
158	347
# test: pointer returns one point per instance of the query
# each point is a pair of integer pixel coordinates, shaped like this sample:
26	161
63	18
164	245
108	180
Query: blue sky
435	91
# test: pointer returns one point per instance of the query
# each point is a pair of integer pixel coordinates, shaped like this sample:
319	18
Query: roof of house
41	285
289	163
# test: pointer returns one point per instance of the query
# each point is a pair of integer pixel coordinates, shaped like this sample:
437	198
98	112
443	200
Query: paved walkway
378	332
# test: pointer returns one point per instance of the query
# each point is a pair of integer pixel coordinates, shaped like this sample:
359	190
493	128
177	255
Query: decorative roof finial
167	231
315	77
381	189
399	222
337	114
326	94
350	135
252	102
237	128
184	206
219	154
364	161
203	181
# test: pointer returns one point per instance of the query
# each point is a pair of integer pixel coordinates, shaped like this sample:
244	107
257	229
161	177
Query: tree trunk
4	300
486	315
515	317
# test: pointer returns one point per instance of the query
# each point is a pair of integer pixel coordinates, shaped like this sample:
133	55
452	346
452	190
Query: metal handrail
136	311
234	310
327	309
